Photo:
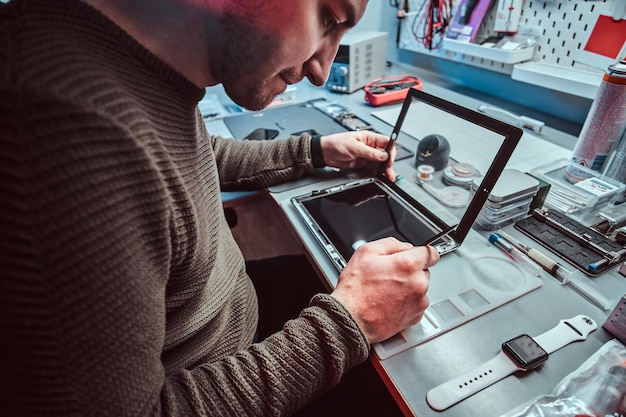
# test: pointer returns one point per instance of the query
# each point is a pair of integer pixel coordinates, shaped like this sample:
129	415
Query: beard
247	72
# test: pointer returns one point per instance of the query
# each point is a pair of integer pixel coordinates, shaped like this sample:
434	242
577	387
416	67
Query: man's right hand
384	286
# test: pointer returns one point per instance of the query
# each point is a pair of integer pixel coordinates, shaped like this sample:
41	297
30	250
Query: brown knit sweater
122	291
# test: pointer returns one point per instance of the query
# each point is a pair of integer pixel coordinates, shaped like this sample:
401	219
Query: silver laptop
343	217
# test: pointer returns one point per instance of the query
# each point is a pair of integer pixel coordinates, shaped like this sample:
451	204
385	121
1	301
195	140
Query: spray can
603	124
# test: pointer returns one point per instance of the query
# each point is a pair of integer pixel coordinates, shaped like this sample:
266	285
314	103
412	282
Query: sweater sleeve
279	375
88	238
250	165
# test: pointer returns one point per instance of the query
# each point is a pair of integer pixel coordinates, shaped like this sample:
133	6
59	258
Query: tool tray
560	239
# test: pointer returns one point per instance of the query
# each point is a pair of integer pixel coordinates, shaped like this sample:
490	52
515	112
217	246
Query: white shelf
493	54
567	80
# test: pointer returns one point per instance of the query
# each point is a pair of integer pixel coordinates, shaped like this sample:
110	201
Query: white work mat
471	281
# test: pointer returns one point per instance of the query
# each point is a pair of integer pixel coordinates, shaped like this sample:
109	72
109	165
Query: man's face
270	44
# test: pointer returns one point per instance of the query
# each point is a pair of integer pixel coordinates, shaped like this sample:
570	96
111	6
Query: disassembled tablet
345	216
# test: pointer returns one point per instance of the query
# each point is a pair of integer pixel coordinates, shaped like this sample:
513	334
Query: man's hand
362	149
384	286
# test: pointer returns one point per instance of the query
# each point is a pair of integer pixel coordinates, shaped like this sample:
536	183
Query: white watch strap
566	332
499	367
459	388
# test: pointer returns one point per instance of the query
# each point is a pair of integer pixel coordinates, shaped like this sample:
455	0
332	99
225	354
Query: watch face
525	351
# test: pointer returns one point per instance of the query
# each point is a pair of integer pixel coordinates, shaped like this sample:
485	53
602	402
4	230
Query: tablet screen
364	213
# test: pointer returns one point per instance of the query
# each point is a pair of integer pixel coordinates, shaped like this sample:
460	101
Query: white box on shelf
494	54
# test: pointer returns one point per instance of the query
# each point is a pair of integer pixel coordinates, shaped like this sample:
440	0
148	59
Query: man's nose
318	66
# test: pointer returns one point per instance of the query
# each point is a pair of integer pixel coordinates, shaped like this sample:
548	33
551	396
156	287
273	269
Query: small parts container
579	200
507	211
491	225
509	201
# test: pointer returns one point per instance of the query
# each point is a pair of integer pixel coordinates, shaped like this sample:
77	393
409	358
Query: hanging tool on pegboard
403	9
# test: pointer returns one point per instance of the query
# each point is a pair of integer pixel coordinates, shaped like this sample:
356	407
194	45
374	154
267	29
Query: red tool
387	90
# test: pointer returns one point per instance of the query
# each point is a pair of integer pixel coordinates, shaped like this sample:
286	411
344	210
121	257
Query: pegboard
563	26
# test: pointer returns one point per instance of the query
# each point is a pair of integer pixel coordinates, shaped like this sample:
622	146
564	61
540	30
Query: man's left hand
361	149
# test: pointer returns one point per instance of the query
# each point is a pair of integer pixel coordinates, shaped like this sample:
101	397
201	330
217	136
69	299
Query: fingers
385	286
372	139
367	144
362	149
365	151
424	256
390	173
385	246
389	170
432	258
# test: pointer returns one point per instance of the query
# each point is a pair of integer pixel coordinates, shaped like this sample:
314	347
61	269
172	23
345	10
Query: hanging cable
429	27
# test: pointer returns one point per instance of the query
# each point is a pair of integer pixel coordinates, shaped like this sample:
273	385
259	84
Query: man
123	291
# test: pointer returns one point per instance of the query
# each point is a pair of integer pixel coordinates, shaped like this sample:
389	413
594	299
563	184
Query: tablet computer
343	217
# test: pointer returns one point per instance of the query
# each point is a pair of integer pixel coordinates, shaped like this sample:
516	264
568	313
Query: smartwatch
525	352
522	353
